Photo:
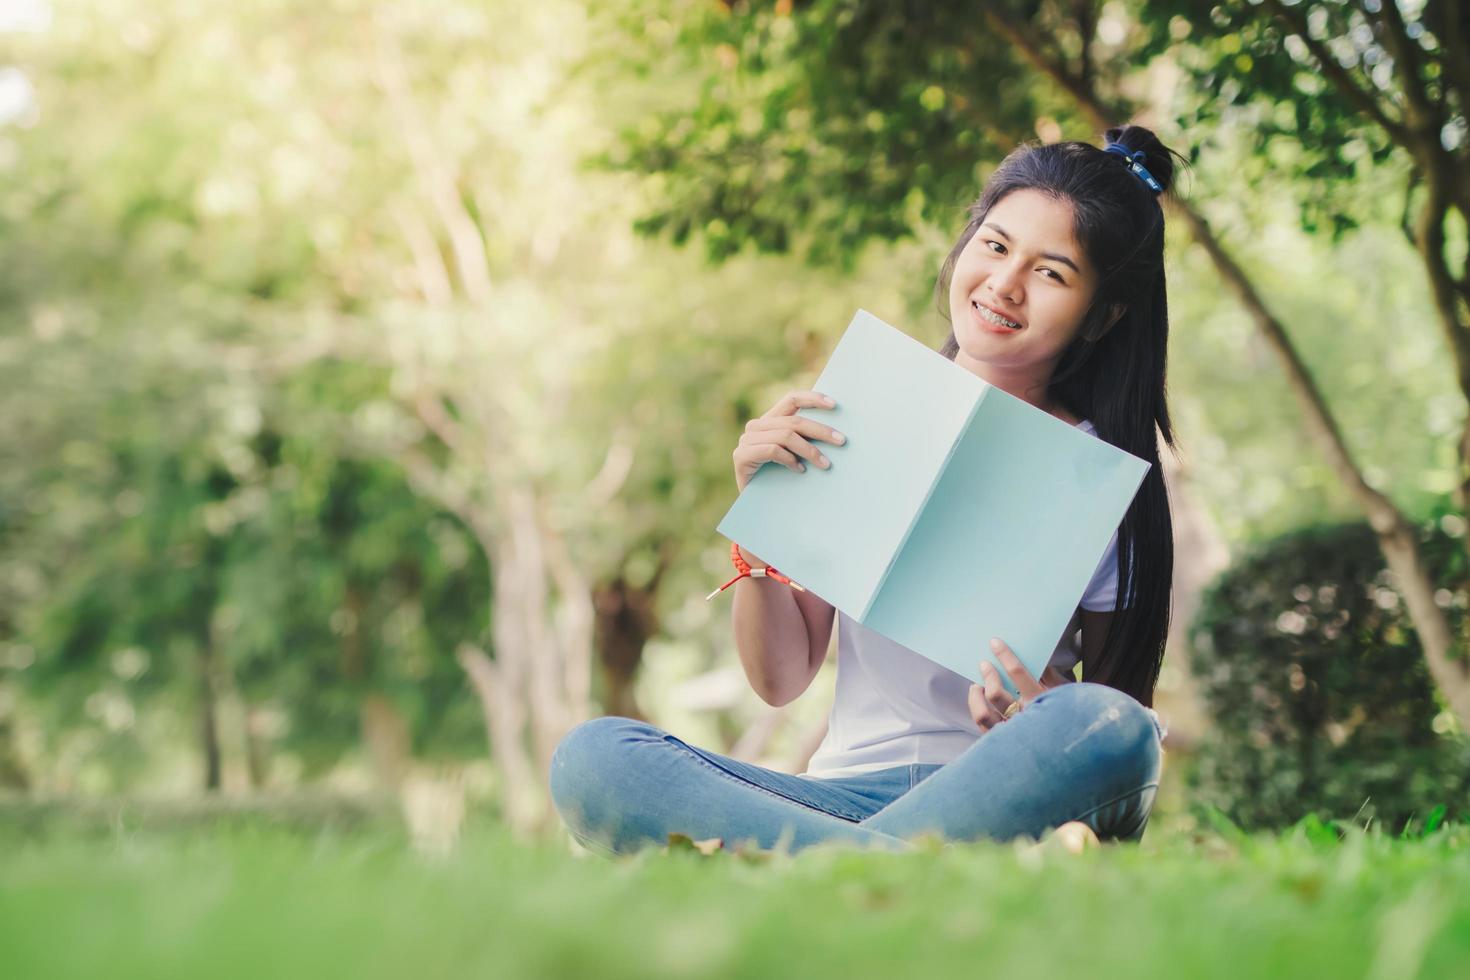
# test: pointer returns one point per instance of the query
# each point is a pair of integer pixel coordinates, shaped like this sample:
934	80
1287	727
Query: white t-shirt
894	707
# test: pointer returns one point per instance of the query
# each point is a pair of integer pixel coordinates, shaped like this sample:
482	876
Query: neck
1029	384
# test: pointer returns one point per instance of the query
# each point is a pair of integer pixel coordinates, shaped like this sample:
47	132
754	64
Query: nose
1005	282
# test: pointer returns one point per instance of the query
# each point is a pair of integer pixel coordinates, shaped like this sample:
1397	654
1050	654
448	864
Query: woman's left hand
988	704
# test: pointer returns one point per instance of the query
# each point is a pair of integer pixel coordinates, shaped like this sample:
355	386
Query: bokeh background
369	374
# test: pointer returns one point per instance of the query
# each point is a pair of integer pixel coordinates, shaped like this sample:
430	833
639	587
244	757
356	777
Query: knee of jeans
586	755
1117	725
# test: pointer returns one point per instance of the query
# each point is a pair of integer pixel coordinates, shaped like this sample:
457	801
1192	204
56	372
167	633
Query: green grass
247	898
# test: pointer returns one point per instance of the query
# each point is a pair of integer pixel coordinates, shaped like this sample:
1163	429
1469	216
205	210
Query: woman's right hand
781	435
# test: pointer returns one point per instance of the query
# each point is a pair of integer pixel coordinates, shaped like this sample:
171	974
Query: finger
794	400
1027	685
981	712
995	691
782	432
780	455
810	428
976	703
804	449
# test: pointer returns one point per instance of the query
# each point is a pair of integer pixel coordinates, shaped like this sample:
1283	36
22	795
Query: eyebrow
1045	255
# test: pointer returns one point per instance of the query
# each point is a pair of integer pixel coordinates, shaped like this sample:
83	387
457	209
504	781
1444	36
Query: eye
1001	250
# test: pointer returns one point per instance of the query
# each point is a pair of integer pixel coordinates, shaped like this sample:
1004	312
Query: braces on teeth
994	317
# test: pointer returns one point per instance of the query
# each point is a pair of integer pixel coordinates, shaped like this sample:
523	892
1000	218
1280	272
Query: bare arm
781	635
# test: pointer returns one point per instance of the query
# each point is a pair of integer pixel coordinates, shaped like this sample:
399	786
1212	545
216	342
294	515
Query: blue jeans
1080	751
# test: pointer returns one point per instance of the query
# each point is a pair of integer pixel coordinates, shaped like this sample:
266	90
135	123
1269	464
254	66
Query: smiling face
1024	266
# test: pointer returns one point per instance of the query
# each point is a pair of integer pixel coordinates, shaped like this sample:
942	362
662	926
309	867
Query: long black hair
1113	376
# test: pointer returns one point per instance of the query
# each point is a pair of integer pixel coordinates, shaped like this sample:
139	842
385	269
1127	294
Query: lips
990	317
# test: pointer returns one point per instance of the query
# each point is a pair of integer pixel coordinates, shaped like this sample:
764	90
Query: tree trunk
505	722
626	620
538	684
257	749
1449	670
561	685
209	740
385	736
13	774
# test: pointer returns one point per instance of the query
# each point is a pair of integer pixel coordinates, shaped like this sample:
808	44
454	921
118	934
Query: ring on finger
1011	709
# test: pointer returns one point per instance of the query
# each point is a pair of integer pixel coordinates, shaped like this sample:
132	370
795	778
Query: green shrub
1318	691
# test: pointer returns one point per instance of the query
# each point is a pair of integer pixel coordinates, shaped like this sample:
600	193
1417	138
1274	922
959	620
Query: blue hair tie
1134	161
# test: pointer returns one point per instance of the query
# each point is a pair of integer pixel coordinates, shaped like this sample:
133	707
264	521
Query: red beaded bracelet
743	567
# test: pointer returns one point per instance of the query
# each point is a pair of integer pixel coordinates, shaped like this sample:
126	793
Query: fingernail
828	400
839	438
995	644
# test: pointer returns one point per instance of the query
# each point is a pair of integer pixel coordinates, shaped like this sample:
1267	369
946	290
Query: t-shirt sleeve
1102	591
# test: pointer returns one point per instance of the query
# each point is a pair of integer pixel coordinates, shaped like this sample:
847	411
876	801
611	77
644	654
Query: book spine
919	512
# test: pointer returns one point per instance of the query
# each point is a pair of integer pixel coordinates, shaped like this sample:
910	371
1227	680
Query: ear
1115	313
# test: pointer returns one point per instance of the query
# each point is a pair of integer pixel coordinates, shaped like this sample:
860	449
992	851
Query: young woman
1055	294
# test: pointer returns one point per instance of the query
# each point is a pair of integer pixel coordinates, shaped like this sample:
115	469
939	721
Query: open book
954	511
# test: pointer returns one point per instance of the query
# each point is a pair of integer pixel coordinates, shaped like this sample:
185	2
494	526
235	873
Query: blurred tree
289	585
344	556
397	187
815	123
1324	92
523	378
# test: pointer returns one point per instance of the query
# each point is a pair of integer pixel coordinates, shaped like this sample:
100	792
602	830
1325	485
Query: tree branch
430	409
1100	116
430	480
1408	64
1406	220
574	624
433	277
616	466
1380	511
1339	76
1085	13
1430	238
1454	42
439	179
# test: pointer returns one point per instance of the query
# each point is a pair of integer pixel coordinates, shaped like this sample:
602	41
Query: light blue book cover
954	512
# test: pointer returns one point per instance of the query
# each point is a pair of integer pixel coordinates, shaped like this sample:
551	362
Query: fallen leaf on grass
1075	837
683	842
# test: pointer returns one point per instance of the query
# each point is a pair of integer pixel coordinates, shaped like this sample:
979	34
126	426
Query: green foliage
221	305
1359	317
1249	79
256	549
818	130
1229	95
1320	698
